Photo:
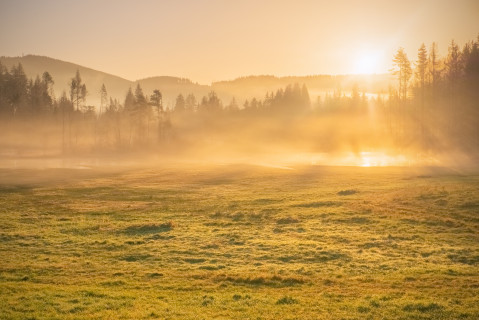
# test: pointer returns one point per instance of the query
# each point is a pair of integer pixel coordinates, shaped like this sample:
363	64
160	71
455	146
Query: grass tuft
288	220
422	307
347	192
318	204
286	300
142	229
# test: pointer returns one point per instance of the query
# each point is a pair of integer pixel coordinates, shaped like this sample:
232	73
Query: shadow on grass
422	307
266	281
143	229
318	204
15	188
347	192
464	257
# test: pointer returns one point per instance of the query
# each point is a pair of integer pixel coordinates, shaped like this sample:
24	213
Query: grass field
239	242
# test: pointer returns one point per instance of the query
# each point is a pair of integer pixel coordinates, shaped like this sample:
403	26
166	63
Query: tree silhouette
434	66
103	98
180	104
402	69
141	113
190	103
78	92
420	75
48	82
16	89
453	63
156	100
421	66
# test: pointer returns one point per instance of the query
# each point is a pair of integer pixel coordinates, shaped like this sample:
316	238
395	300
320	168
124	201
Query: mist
317	170
428	117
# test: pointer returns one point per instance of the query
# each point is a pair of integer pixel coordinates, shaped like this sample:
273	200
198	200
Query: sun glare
366	63
378	159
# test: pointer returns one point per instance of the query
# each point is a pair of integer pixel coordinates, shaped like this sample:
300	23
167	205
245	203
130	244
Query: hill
62	72
241	88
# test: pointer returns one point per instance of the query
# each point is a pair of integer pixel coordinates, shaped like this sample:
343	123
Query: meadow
239	242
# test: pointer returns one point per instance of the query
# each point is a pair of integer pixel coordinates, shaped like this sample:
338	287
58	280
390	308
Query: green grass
240	242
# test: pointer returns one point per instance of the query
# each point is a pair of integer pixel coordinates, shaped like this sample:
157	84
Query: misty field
239	242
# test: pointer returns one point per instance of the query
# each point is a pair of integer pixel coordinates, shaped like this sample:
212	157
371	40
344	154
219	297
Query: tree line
434	107
436	102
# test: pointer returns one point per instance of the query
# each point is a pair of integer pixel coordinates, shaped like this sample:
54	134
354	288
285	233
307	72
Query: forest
432	112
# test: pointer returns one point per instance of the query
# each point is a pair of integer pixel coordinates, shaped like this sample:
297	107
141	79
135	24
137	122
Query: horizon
234	40
197	82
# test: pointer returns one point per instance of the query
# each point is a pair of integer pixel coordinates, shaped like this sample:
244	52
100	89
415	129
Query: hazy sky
210	40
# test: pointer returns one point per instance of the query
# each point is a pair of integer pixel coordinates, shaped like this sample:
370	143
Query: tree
233	106
452	74
254	104
83	93
305	99
190	103
246	105
103	98
16	89
180	104
421	66
433	64
129	109
453	63
211	104
129	103
402	68
78	92
139	96
40	101
471	63
141	113
420	75
48	82
4	75
156	99
214	103
65	107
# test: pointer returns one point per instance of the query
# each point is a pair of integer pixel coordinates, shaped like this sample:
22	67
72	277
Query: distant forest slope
62	72
241	88
171	87
256	86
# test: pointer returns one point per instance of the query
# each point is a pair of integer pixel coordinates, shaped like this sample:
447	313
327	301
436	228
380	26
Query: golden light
376	158
379	159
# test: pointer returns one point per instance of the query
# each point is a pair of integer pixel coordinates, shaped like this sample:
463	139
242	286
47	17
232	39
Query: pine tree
434	66
402	68
78	92
180	104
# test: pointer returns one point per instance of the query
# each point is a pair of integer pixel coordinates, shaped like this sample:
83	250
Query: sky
213	40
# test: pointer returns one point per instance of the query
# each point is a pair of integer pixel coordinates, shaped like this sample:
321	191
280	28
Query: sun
367	62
